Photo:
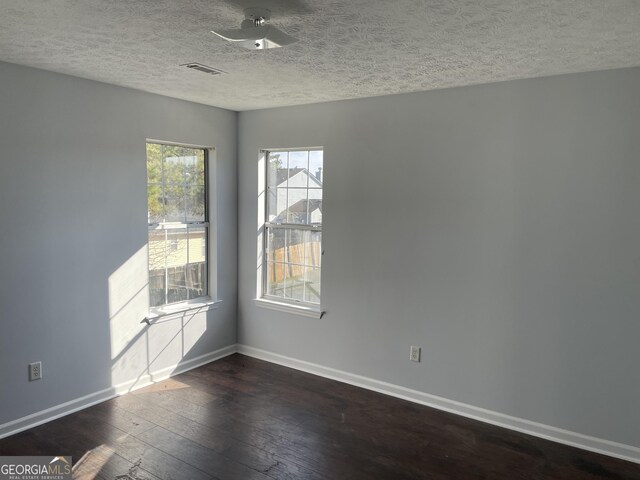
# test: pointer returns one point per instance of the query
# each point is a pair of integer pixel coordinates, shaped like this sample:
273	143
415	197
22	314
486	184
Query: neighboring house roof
283	174
301	208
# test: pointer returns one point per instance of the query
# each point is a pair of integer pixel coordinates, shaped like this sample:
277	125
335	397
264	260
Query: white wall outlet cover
35	371
414	354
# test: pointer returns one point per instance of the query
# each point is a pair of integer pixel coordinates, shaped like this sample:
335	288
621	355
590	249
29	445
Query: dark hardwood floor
240	418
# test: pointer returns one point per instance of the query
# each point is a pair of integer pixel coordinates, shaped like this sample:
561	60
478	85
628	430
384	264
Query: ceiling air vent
203	68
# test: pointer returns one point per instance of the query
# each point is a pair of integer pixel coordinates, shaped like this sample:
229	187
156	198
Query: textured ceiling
347	48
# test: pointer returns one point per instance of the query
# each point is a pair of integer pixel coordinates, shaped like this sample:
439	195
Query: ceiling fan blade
277	37
241	34
257	38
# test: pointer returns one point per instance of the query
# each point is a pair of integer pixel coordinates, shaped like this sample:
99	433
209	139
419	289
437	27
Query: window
178	223
293	227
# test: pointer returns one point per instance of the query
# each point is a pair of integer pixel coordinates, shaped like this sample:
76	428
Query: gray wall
496	226
73	236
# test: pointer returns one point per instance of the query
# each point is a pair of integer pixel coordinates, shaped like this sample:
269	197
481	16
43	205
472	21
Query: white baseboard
593	444
57	411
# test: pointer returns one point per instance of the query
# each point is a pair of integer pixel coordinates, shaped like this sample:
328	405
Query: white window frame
208	301
263	299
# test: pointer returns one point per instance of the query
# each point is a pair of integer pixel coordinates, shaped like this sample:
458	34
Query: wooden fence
293	261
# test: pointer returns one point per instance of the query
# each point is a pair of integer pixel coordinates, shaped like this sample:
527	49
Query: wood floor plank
104	463
119	418
200	457
158	462
242	418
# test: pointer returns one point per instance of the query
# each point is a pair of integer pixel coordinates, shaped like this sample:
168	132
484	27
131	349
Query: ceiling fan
254	33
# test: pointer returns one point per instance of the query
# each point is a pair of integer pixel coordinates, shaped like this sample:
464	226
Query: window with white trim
178	223
292	249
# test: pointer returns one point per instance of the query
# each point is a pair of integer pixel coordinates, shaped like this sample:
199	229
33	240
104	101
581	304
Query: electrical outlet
35	371
414	354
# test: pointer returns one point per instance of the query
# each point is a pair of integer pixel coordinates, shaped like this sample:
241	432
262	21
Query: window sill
289	308
202	305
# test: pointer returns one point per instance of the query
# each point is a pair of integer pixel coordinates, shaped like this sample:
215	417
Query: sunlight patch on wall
128	301
140	352
128	306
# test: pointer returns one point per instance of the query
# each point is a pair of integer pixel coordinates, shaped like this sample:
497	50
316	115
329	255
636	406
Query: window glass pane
156	288
295	246
275	278
298	161
176	247
312	285
176	261
302	210
305	246
312	249
176	284
287	243
170	151
315	185
276	239
154	163
196	280
298	177
314	209
174	171
315	168
174	198
194	168
287	280
269	244
197	245
280	210
155	201
272	204
195	204
297	205
156	267
202	170
277	169
156	249
294	288
197	266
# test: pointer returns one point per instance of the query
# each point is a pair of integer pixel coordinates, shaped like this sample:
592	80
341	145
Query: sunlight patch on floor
164	386
92	462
